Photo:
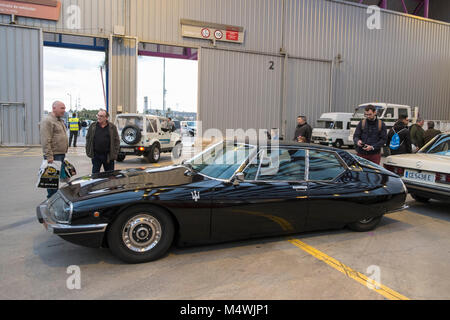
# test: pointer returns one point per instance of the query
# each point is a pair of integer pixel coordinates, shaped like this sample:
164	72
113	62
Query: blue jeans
99	160
57	157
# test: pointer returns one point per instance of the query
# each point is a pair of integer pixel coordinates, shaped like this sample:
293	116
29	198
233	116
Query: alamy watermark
374	277
73	17
74	280
374	20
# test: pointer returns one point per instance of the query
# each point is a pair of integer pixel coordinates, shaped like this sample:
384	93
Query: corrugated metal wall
306	95
239	90
406	62
20	84
123	75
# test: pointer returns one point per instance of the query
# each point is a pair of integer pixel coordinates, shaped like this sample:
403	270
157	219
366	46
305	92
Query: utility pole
164	87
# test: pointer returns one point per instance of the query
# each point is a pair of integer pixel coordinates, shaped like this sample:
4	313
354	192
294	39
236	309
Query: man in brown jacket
54	137
102	143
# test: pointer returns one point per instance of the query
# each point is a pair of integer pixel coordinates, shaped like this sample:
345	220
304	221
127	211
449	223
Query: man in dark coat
430	133
370	136
416	131
401	128
102	143
303	131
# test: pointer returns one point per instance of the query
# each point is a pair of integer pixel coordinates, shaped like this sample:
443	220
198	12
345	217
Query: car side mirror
238	178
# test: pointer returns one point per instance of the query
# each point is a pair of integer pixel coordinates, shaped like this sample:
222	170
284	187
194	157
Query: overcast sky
76	72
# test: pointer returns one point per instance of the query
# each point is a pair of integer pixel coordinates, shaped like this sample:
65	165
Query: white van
333	128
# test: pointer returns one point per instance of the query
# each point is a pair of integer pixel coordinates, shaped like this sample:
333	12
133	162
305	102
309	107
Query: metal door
308	92
12	124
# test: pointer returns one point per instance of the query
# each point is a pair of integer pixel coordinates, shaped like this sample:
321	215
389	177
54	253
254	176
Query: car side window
277	165
324	166
402	112
338	125
389	113
151	125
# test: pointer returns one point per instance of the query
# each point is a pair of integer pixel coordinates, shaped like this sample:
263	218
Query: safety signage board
211	31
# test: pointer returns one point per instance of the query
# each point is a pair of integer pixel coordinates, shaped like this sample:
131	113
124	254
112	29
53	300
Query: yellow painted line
349	272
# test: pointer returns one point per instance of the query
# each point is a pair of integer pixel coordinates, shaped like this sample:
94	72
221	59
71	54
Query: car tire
365	224
141	234
177	150
154	154
131	134
121	157
338	144
419	198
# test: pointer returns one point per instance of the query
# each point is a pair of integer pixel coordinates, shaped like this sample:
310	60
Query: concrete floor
411	248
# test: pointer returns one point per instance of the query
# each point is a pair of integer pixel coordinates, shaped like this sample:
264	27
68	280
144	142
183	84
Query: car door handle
299	188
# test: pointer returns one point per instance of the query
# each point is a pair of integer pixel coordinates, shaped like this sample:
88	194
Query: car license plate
420	176
316	141
127	149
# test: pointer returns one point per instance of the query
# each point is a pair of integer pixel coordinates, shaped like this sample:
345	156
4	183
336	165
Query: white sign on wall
211	31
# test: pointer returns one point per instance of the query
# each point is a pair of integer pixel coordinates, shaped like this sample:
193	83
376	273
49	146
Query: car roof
283	143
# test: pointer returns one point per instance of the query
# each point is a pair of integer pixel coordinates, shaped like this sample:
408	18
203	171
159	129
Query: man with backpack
399	139
370	136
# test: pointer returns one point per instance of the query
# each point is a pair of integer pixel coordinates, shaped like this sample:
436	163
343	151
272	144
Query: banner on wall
40	9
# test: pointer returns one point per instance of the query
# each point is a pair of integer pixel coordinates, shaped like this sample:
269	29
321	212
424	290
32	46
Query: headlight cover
60	210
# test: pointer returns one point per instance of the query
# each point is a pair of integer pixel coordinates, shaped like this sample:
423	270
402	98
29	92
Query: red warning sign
232	35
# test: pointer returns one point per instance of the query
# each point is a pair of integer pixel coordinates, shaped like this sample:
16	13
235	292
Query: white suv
146	135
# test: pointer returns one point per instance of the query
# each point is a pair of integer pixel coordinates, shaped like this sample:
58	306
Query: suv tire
154	154
131	134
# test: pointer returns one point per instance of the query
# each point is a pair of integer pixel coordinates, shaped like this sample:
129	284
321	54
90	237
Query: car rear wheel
154	154
420	198
141	234
366	224
338	144
121	157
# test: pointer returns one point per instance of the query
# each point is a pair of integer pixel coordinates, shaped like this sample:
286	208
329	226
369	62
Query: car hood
125	180
421	161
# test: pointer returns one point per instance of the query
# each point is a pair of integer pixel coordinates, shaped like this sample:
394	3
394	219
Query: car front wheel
365	224
141	234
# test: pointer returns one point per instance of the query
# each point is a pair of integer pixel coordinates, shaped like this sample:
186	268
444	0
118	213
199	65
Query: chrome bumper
65	229
404	207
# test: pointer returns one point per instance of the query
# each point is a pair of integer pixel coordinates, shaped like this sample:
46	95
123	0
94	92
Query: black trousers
100	160
74	135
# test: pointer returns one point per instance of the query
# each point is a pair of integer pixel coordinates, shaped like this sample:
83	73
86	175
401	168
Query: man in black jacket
102	143
370	136
401	128
303	132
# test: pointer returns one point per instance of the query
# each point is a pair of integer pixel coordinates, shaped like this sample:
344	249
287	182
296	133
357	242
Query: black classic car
229	191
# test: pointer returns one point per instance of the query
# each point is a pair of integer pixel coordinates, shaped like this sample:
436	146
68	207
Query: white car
426	173
146	135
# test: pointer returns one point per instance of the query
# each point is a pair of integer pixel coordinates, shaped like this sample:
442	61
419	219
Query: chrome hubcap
156	154
367	220
129	135
141	233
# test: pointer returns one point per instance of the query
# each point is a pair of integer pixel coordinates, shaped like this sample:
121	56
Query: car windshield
191	124
221	160
367	163
359	112
323	124
440	145
122	122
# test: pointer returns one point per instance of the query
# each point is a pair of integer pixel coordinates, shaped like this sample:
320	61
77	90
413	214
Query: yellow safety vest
73	124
